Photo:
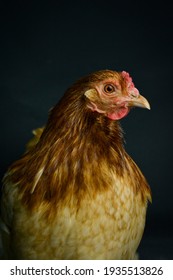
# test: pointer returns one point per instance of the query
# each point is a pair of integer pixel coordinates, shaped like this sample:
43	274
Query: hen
76	193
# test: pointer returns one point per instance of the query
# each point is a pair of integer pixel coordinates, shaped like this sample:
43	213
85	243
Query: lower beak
139	101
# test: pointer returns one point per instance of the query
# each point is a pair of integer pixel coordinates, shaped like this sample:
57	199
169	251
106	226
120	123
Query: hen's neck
70	159
81	125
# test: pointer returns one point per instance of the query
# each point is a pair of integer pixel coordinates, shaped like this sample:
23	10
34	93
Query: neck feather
74	156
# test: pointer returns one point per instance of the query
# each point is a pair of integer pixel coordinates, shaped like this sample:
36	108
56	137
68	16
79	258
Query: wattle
118	114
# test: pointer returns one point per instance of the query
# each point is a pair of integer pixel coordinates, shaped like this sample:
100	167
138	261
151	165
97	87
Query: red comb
130	84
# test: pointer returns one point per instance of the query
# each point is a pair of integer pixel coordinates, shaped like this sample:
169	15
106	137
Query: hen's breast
111	226
107	225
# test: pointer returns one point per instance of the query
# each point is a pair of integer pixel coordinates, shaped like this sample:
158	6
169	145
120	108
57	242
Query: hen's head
111	93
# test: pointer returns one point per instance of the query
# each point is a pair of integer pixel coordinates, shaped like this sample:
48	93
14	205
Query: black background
46	46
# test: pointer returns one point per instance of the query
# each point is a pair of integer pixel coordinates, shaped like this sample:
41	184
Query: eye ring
109	88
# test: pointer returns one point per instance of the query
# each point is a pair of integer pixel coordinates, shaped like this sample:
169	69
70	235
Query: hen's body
76	194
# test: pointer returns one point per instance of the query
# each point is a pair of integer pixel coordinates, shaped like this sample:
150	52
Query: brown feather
74	147
76	193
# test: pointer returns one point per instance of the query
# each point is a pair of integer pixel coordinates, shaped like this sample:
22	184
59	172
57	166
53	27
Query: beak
139	101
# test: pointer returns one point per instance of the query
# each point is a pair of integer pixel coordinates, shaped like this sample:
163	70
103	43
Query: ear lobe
91	94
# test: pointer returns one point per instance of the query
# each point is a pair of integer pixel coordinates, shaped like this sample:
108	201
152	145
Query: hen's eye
109	88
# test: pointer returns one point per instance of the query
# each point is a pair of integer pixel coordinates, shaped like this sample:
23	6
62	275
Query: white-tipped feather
37	178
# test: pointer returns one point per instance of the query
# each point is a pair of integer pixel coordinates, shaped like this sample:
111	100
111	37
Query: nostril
134	93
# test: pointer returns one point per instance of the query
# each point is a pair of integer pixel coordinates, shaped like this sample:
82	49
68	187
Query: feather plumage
76	193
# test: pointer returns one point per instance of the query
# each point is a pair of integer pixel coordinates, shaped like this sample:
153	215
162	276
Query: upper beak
139	101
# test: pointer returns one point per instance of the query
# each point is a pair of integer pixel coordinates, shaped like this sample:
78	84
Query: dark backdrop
46	47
